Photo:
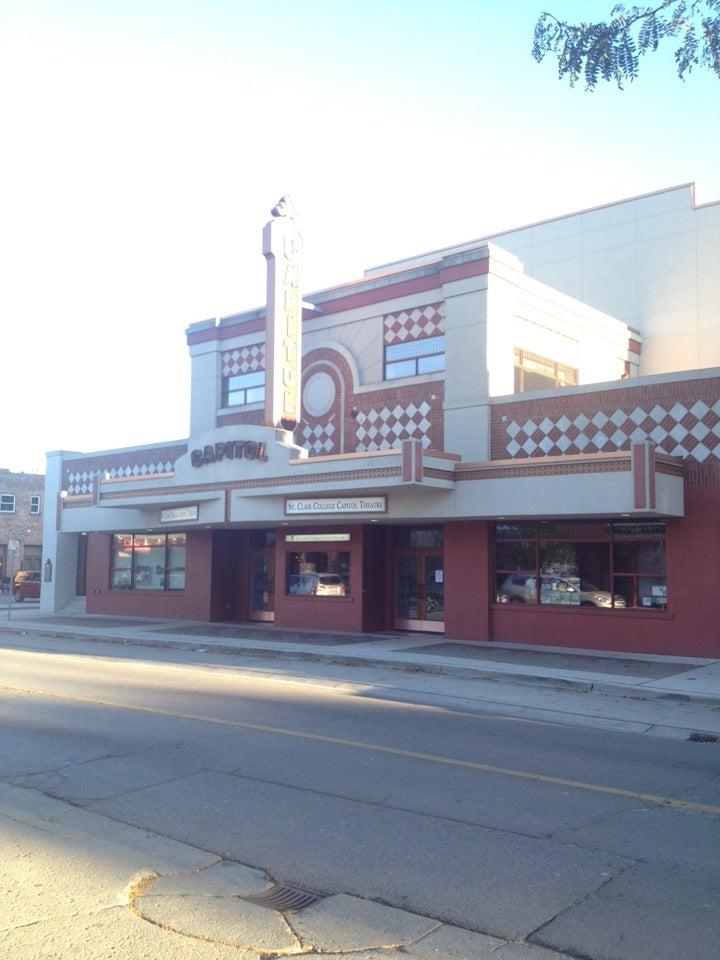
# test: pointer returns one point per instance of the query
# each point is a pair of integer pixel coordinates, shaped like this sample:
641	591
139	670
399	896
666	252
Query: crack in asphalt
374	803
532	936
62	771
596	821
53	918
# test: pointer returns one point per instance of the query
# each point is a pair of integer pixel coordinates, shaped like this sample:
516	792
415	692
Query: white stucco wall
205	385
553	325
651	261
59	548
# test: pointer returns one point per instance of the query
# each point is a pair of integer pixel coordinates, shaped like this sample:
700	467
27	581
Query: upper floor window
533	372
35	505
7	503
245	388
243	375
410	359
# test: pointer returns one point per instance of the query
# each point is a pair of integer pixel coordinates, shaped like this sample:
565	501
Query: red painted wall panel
230	574
321	613
467	580
377	574
688	628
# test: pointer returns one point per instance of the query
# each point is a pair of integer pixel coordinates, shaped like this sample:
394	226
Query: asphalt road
599	844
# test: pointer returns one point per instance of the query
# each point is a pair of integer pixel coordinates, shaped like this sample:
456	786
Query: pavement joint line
140	886
381	748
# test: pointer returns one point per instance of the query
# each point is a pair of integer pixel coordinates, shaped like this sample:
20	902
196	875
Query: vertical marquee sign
282	246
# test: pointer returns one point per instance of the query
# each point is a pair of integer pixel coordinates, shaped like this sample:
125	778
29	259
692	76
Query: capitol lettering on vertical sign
282	246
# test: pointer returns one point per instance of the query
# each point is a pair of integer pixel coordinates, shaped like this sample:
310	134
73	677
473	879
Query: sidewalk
640	677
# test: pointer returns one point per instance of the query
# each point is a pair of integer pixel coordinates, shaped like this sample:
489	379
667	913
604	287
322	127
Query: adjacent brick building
516	440
21	507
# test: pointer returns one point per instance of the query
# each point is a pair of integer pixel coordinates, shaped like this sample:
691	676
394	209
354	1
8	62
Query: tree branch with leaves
611	50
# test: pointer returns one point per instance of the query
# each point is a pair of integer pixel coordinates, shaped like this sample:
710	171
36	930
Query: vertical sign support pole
13	547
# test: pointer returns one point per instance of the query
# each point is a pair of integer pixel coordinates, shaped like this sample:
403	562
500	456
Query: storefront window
639	564
32	558
176	551
121	562
318	574
148	561
581	564
575	574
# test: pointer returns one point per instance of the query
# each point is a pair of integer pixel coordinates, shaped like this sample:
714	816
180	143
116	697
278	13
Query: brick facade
79	474
21	524
364	421
681	417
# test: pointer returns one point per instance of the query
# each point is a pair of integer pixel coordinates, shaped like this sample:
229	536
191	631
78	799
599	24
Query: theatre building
515	439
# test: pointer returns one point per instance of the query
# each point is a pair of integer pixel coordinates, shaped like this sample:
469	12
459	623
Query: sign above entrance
317	537
175	514
317	505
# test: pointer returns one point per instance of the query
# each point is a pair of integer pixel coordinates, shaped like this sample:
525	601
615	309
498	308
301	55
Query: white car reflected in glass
554	590
316	585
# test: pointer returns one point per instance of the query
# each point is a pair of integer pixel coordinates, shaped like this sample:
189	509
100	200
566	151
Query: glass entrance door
419	591
262	585
434	589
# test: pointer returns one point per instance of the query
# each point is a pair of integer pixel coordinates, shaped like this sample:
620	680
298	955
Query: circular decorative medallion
319	394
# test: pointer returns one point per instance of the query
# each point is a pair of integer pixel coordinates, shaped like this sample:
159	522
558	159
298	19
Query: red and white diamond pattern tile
385	429
677	429
83	482
428	321
243	360
318	439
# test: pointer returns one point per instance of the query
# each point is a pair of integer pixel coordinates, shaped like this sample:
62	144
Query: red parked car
26	584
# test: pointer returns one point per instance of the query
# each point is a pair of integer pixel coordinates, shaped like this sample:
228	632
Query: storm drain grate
282	898
704	738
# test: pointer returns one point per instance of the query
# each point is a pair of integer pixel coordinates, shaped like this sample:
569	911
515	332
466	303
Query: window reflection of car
316	585
573	591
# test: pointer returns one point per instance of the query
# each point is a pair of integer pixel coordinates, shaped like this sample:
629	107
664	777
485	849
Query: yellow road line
380	748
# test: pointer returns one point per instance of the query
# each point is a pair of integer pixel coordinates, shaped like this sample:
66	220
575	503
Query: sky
144	142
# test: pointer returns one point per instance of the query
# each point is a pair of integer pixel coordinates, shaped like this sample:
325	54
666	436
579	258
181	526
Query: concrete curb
207	644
